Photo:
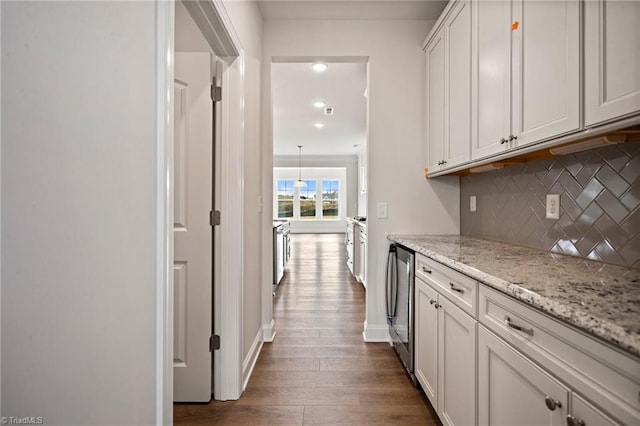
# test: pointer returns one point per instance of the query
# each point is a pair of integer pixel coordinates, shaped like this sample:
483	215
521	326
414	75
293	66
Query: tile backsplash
599	204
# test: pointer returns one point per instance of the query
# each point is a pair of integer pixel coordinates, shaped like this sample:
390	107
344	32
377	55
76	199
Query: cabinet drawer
606	376
458	288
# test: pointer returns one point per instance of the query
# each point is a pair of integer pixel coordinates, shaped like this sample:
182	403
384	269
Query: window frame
317	174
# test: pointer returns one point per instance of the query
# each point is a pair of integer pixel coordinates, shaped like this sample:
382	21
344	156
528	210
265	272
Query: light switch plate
382	210
553	206
472	203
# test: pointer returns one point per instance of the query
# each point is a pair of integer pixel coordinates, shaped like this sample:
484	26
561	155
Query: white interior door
193	180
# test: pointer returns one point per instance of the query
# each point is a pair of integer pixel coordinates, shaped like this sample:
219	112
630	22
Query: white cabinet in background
514	391
362	254
445	342
527	73
612	59
448	54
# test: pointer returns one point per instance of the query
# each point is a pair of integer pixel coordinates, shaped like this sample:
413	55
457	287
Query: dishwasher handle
391	289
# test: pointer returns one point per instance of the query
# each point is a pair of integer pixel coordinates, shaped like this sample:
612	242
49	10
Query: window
330	192
322	199
285	196
308	200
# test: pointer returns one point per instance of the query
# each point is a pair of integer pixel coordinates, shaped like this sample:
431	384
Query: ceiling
295	86
351	9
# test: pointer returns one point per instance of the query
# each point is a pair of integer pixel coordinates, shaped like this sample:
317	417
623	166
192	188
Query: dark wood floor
318	370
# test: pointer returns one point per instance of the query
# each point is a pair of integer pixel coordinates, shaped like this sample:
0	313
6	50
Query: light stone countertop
598	298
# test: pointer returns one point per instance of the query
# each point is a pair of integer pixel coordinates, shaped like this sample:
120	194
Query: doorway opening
320	133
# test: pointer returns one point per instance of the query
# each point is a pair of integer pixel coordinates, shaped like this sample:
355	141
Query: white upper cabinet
449	89
492	78
546	70
435	101
527	77
612	60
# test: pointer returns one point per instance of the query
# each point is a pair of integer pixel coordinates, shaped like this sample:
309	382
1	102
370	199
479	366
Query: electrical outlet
553	206
382	211
472	203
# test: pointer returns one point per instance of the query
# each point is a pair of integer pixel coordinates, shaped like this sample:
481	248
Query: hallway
318	370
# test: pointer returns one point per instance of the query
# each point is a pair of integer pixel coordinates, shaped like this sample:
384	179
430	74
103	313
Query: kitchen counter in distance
598	298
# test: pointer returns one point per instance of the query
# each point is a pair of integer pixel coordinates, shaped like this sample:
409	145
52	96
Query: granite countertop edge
586	322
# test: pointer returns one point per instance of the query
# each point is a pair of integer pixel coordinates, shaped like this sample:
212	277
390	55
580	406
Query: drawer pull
454	288
528	331
552	404
425	270
575	421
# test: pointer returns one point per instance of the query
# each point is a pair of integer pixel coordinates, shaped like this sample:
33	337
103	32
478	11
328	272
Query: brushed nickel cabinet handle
425	270
551	403
528	331
574	421
454	288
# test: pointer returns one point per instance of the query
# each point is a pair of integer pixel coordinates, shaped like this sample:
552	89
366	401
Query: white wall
79	212
247	21
395	142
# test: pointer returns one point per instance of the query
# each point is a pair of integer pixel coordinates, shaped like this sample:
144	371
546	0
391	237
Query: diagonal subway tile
631	171
631	224
600	199
612	181
589	193
552	176
610	204
631	198
631	251
568	205
614	157
589	217
616	236
608	253
571	164
565	246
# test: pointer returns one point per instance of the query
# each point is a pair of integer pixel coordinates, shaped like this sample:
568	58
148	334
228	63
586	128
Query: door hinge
216	93
214	217
214	343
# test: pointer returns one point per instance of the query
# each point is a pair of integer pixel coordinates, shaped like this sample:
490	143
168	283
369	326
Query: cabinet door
426	335
512	390
363	260
456	365
491	77
612	59
585	414
457	31
546	70
435	101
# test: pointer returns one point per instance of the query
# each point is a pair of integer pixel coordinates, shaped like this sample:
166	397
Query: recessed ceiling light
319	67
319	104
319	125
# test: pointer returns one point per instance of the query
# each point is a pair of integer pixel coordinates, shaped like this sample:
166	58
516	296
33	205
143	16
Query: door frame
215	24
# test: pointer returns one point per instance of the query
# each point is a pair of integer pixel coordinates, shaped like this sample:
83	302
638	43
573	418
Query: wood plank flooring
318	371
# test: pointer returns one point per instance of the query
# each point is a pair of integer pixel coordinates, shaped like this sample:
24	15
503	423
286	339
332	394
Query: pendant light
299	183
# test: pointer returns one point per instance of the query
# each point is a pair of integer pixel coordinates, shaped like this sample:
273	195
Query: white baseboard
376	333
250	361
269	332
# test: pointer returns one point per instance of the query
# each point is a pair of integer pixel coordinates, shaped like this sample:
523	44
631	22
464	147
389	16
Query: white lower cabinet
483	357
585	414
514	391
456	365
445	356
426	340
